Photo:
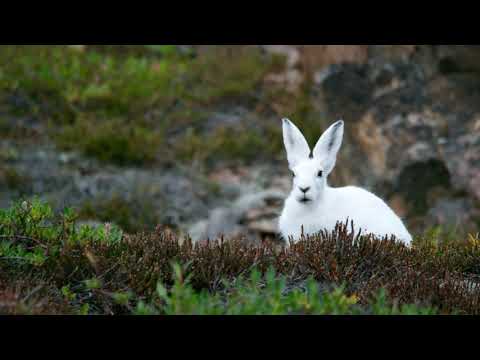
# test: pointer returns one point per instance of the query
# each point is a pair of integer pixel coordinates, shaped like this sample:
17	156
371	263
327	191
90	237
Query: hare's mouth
304	200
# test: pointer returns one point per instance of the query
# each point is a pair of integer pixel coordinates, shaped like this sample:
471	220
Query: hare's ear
328	146
295	144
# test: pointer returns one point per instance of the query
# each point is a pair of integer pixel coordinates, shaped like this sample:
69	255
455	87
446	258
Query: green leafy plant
267	296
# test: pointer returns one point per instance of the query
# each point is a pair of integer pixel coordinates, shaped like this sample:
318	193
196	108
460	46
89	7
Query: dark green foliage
132	217
96	271
73	80
114	102
234	145
306	117
112	142
267	294
225	72
13	180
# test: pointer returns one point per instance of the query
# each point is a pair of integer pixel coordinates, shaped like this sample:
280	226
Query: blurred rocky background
189	137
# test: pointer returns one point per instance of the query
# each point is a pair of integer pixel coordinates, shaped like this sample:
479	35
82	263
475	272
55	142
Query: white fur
328	206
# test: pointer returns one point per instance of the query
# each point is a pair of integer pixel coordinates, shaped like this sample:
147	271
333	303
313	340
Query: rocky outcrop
252	217
68	179
412	117
412	132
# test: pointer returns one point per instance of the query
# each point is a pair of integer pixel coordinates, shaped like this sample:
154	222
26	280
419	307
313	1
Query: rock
291	53
458	58
252	215
255	200
256	213
65	158
292	78
323	74
399	206
409	130
455	213
232	118
70	180
264	227
317	57
198	231
391	53
305	60
223	222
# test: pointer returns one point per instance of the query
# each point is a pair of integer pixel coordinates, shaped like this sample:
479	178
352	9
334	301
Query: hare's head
310	169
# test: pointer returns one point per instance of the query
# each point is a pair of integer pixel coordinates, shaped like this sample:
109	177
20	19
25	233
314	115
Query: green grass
13	180
112	142
86	80
265	295
85	270
228	72
236	146
129	216
118	103
114	102
36	220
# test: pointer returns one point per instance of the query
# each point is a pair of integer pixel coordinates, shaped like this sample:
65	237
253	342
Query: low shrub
102	271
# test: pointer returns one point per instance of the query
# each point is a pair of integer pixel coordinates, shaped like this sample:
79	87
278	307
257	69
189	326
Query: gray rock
254	215
455	213
404	120
67	179
198	231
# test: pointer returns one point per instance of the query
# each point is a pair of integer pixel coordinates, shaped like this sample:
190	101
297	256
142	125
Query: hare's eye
293	174
320	173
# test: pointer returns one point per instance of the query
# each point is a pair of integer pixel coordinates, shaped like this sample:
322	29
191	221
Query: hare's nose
304	190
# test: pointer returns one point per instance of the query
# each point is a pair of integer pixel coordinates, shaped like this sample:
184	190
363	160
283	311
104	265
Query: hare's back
368	212
360	202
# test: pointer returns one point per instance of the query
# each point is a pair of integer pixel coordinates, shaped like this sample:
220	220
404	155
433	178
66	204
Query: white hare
314	206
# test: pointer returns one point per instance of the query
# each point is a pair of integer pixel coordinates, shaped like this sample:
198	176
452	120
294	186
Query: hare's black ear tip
285	120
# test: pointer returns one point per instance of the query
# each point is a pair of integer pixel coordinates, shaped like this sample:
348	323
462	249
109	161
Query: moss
4	128
83	80
131	216
154	52
307	117
79	93
14	129
111	141
298	107
8	154
225	72
13	180
237	146
278	63
96	78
